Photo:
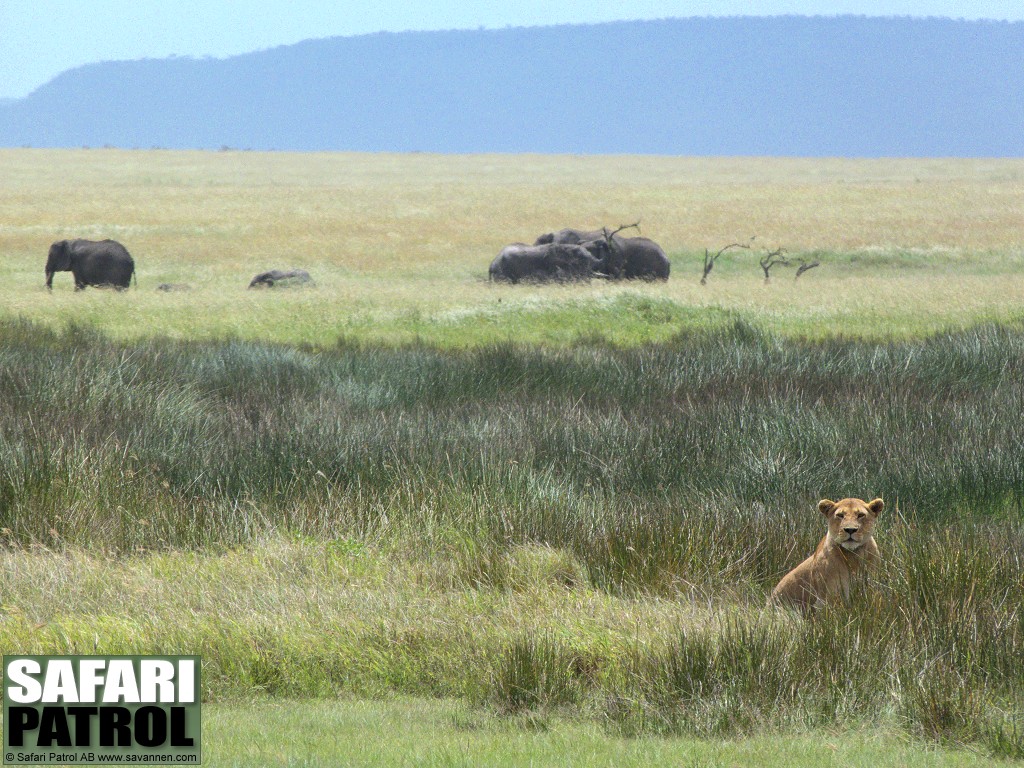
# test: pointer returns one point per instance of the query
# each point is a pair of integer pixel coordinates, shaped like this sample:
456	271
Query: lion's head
851	521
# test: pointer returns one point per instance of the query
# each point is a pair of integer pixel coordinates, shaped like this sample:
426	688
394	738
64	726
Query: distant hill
846	86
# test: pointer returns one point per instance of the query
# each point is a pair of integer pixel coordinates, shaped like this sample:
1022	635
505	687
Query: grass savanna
533	530
528	501
399	245
444	733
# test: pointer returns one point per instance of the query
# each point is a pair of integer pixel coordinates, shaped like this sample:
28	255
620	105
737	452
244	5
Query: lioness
847	549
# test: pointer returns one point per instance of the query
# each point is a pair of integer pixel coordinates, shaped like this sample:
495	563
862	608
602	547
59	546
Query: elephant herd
107	263
566	255
575	254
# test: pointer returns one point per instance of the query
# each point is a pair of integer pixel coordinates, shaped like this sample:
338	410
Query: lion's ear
825	506
876	506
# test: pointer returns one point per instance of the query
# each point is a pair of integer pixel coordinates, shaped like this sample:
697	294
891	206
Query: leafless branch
709	260
609	235
805	265
773	259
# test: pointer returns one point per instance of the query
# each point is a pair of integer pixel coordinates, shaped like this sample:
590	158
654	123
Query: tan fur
846	550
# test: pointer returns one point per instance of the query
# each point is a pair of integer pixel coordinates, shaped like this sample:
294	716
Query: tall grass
940	658
633	459
688	469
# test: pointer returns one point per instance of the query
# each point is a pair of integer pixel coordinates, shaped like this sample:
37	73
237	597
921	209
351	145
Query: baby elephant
277	276
847	550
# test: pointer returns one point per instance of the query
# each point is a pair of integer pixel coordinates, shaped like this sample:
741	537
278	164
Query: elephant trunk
49	279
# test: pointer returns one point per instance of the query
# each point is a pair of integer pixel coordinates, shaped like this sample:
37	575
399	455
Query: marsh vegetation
294	510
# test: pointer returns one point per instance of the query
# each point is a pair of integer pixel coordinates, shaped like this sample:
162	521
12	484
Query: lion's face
850	521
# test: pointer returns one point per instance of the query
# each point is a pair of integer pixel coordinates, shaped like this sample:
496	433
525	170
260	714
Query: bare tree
773	259
805	265
609	235
709	260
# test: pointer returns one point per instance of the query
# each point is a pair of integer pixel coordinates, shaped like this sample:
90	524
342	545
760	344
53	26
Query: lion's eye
861	515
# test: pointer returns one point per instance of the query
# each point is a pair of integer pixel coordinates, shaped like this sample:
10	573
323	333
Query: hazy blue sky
41	38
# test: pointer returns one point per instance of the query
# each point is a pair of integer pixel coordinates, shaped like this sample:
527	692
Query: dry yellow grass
399	244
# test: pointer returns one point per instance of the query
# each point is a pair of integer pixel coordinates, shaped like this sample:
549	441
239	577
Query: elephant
544	263
642	259
284	278
571	236
608	251
632	258
105	262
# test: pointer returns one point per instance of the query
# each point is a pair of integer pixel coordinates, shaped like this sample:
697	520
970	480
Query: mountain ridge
790	85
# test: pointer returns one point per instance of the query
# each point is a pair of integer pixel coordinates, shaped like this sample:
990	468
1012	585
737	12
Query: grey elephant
280	277
571	236
99	263
641	258
630	258
544	263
